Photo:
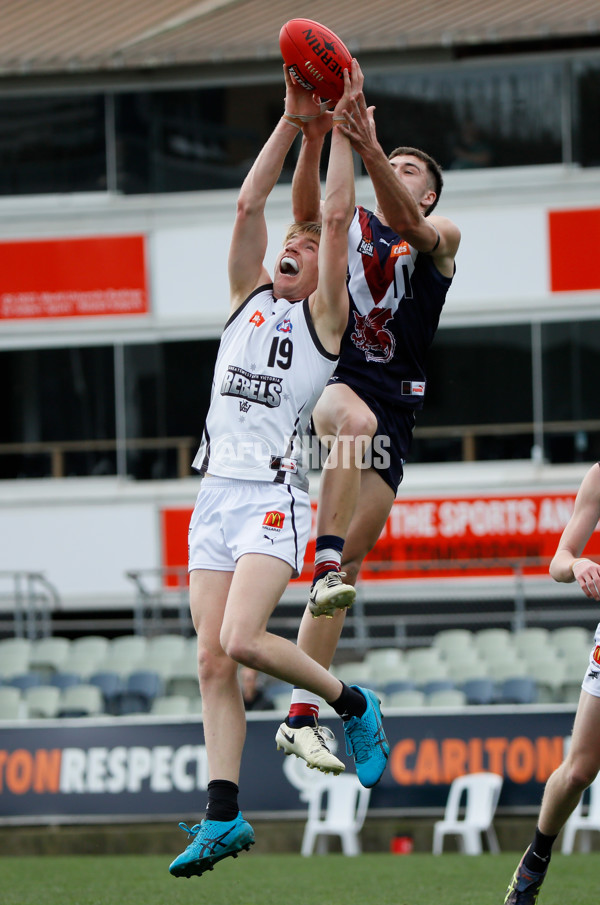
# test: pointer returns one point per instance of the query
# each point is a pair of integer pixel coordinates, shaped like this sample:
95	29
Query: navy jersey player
252	516
401	264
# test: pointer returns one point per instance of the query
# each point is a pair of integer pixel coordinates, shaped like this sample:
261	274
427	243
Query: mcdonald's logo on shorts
273	521
596	654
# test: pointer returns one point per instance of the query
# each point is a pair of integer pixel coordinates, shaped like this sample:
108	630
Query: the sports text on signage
434	537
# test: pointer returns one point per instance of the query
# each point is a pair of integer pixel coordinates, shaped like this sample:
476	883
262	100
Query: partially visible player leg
318	637
223	832
561	795
255	590
347	425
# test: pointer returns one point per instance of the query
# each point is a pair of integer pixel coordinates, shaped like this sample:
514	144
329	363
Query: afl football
315	57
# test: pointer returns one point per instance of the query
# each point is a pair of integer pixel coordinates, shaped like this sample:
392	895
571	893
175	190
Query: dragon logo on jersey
371	337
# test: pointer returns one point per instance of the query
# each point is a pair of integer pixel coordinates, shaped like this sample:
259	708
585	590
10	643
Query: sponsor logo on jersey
285	326
257	319
596	654
273	520
371	336
261	388
412	388
366	247
402	248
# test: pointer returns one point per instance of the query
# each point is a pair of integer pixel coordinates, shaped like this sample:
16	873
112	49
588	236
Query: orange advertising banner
102	275
434	537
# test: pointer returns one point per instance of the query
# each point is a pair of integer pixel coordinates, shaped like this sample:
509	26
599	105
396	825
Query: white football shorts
234	517
591	682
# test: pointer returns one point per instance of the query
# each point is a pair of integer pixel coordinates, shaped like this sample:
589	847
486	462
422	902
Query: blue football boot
525	885
366	741
212	840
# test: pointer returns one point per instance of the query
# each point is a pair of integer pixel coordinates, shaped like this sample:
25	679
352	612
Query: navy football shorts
393	439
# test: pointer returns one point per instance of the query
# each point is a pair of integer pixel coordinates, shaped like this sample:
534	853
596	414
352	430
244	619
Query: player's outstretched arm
400	209
329	304
568	564
249	240
306	183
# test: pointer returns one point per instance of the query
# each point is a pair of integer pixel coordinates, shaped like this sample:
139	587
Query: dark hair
433	168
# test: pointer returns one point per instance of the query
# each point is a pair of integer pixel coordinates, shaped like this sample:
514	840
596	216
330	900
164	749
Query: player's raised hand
353	85
299	101
587	574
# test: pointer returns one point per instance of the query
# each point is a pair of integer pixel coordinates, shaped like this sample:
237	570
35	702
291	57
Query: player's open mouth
288	266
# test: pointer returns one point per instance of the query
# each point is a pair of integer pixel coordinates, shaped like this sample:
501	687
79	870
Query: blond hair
304	227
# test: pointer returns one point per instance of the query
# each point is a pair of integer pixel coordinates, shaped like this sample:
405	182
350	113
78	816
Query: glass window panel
586	126
52	144
167	391
186	140
58	395
571	374
471	116
477	376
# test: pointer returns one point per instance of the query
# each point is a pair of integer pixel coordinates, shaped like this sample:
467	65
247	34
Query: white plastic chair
342	814
585	822
482	794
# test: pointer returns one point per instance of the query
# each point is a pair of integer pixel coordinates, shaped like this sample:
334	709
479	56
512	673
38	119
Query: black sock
350	703
538	854
222	800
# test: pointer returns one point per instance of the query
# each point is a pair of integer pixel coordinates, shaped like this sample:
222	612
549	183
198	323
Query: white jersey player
252	516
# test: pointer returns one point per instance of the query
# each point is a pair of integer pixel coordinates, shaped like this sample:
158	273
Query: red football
315	56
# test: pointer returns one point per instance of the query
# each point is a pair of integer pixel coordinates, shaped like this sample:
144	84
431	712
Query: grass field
417	879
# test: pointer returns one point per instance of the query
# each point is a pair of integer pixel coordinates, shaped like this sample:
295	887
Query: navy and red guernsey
396	298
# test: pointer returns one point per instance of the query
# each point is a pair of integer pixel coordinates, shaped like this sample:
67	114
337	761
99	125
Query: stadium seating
183	678
14	661
170	705
480	691
167	648
477	664
446	697
64	680
86	653
12	706
140	690
490	641
42	701
407	698
520	690
452	640
111	685
49	655
24	680
80	700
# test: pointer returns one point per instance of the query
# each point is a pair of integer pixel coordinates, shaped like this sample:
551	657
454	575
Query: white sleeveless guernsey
270	371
